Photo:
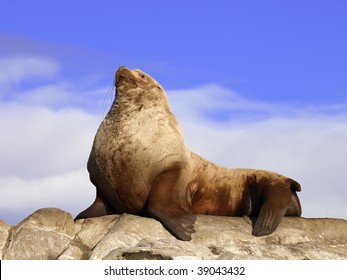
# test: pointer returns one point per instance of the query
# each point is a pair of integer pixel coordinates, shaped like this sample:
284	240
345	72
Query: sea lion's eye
142	76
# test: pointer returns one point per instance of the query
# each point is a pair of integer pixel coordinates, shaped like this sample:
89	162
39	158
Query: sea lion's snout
126	75
122	72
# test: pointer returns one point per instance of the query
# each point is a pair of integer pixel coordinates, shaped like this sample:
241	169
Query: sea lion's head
138	87
132	79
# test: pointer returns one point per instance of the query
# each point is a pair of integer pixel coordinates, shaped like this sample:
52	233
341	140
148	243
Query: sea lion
139	164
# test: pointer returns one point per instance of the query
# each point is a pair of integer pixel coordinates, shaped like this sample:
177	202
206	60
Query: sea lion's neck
134	100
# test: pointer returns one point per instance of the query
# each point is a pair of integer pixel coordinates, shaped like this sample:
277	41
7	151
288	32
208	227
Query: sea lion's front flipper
168	203
99	208
179	223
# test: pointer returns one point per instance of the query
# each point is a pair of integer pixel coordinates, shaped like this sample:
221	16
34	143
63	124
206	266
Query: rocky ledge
51	233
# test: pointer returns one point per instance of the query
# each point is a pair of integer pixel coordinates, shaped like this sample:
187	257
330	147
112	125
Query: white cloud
44	147
47	132
69	190
43	159
39	141
18	68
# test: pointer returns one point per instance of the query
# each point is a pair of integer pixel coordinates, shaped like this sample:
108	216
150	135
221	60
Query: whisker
107	97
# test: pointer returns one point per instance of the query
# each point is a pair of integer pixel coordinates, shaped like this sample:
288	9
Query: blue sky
267	50
253	83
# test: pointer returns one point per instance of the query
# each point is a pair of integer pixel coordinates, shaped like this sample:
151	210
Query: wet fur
140	165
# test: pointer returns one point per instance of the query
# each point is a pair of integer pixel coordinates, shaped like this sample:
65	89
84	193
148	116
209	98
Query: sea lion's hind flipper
275	204
268	220
100	207
180	224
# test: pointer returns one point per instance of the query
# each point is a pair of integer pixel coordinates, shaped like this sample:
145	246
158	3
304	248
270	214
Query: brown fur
140	165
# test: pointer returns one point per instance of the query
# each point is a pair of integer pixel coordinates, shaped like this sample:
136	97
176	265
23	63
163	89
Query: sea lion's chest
136	141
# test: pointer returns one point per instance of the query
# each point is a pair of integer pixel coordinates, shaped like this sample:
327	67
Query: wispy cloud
38	81
214	103
19	68
47	132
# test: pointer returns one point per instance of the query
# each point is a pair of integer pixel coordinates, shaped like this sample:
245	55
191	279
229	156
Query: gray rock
89	232
4	234
52	234
42	235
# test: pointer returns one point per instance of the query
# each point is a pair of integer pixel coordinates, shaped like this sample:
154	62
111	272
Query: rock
89	233
4	234
43	235
52	234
